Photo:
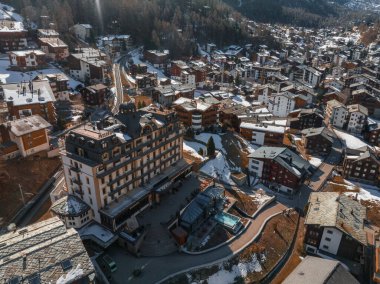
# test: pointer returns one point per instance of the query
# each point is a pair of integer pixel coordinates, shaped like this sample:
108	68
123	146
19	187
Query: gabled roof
320	271
285	157
323	131
46	249
330	209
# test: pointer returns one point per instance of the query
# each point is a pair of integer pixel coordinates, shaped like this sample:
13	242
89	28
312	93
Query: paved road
35	207
157	268
119	87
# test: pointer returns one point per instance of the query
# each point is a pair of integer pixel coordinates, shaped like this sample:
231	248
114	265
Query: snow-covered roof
262	128
21	94
23	53
69	205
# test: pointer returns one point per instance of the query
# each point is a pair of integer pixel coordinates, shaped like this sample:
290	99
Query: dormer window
105	156
80	152
104	145
116	151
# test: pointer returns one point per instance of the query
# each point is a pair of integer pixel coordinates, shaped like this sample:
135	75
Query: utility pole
22	194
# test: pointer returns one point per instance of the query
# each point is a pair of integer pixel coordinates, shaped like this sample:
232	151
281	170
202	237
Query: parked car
109	262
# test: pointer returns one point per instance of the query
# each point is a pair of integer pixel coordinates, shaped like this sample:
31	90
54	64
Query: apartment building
94	95
372	135
54	48
87	65
335	227
262	133
336	114
13	36
27	59
279	168
362	165
197	114
311	76
353	118
305	118
25	99
29	135
282	104
82	31
357	118
317	141
59	84
123	164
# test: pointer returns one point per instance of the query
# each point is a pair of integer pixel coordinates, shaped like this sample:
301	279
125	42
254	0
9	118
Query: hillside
309	13
173	24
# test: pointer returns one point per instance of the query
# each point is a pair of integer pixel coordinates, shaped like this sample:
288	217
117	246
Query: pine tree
200	151
210	147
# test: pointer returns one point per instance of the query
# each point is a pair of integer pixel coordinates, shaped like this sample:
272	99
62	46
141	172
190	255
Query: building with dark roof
94	95
305	118
317	140
362	165
320	271
45	252
122	164
279	167
74	212
200	208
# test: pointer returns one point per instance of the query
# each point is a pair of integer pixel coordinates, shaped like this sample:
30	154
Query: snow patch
204	137
351	141
72	275
242	269
193	148
218	168
316	161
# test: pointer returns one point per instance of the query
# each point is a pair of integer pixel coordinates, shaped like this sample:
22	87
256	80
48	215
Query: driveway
157	268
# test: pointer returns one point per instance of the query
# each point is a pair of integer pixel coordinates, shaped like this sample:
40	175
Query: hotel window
105	156
116	152
326	247
80	152
327	239
329	232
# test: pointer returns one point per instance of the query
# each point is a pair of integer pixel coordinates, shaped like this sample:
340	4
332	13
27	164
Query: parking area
158	241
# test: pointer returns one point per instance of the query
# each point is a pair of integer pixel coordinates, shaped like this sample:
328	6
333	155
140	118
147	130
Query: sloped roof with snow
69	206
47	250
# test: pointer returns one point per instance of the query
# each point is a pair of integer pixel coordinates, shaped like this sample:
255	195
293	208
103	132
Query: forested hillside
174	24
309	13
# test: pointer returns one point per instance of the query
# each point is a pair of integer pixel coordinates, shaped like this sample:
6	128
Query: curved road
157	269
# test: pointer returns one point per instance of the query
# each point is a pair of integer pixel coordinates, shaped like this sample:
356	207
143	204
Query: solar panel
66	264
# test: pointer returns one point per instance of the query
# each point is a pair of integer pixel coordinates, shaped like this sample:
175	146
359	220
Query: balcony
76	181
75	169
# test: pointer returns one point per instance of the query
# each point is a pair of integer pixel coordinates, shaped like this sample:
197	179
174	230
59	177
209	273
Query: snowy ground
316	161
367	192
249	146
193	148
7	76
218	168
242	269
241	101
259	197
351	141
204	137
136	54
